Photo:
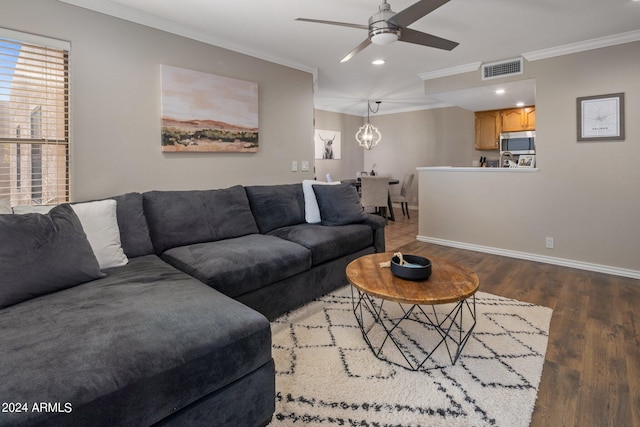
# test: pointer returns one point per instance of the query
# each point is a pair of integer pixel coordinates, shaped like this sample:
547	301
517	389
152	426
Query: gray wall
409	140
586	194
421	138
115	105
351	160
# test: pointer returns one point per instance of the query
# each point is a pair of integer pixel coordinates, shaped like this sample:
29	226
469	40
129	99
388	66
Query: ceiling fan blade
417	37
342	24
416	11
356	50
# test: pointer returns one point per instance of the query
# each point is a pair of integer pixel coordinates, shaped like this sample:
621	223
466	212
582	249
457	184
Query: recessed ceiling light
378	62
500	92
520	104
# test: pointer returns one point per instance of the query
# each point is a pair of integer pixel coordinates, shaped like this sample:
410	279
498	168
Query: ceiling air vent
509	67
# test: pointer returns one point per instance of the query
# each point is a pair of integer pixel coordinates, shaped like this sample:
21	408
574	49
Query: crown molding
36	39
413	108
616	39
398	110
567	49
444	72
132	15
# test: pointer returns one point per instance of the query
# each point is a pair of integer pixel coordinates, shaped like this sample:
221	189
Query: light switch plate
294	166
304	166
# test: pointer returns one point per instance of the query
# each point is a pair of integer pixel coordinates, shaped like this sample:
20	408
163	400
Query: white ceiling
488	31
486	98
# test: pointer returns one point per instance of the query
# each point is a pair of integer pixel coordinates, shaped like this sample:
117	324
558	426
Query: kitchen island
529	213
488	207
473	206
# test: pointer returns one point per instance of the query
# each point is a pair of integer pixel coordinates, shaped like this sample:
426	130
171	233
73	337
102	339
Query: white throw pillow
311	209
100	224
5	206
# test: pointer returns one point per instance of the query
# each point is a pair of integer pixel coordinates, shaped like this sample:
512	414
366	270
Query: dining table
392	181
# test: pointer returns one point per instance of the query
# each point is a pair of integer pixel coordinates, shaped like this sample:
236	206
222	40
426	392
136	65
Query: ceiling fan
387	26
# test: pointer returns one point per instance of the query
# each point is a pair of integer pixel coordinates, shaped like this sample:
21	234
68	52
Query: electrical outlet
304	166
549	242
294	166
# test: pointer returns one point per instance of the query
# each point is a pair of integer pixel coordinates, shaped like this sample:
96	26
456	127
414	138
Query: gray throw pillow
40	254
134	231
339	204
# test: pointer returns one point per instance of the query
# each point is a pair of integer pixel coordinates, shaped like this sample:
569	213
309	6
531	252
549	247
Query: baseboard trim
633	274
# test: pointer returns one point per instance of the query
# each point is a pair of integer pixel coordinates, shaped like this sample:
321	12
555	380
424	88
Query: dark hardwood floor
591	375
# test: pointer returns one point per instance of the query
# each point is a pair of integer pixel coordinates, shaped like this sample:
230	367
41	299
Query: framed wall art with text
601	117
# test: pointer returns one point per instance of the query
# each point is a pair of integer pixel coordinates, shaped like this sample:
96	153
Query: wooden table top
449	282
358	183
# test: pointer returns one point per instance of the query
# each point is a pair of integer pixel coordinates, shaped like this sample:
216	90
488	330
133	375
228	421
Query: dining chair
375	193
403	197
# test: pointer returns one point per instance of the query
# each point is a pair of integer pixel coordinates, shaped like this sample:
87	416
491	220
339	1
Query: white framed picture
327	144
527	161
601	117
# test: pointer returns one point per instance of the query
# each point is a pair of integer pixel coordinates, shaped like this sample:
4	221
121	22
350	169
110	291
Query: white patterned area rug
327	375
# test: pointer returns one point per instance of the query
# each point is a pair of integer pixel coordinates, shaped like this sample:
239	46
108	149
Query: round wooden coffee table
441	311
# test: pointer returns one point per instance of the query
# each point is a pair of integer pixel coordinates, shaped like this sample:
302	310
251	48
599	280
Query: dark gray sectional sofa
180	334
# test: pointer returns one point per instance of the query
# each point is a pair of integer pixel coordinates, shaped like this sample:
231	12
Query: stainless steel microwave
518	142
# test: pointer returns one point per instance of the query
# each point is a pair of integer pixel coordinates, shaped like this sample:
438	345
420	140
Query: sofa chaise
167	323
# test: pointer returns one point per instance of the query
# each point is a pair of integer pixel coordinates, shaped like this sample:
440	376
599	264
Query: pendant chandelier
368	135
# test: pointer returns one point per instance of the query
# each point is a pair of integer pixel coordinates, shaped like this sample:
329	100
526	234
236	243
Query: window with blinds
34	119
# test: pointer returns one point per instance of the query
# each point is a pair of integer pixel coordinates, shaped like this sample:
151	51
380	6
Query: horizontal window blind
34	122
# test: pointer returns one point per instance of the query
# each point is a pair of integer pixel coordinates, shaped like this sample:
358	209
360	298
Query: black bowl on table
418	268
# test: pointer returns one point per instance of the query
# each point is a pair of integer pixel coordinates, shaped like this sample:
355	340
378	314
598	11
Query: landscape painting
204	112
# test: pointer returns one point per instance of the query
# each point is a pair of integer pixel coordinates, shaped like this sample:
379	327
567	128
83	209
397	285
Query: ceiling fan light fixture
384	37
386	27
381	31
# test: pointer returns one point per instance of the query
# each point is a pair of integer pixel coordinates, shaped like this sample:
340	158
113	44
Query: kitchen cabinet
487	130
530	116
518	119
